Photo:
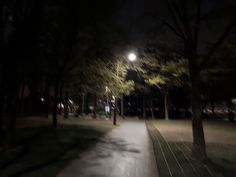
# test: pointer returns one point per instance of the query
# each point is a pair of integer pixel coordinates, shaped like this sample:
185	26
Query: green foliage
117	82
157	80
164	74
93	79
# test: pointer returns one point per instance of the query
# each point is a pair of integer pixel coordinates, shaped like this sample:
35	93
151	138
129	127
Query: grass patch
174	157
44	151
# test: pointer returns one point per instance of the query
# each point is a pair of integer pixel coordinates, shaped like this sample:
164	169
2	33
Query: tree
188	23
142	88
63	35
171	74
19	37
222	71
118	84
164	73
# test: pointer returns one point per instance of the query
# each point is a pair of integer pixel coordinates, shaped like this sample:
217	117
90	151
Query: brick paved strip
172	165
174	158
186	162
162	164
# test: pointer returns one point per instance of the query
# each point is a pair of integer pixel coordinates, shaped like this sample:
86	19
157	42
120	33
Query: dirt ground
218	131
220	136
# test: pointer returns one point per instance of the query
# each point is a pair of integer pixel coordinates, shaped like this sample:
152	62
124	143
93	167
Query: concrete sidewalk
125	152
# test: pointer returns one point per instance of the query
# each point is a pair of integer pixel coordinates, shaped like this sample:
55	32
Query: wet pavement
125	152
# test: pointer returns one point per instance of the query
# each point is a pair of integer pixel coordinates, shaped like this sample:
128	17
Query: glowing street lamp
132	57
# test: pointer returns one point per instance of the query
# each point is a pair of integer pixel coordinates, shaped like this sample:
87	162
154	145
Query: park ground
42	151
172	142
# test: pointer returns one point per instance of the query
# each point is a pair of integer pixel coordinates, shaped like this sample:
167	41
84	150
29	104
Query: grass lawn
172	142
42	151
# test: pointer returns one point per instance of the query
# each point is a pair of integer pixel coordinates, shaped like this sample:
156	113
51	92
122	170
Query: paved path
125	152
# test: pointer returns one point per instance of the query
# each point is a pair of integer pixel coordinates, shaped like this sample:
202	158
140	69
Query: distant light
132	57
71	102
107	109
234	101
60	105
42	99
106	89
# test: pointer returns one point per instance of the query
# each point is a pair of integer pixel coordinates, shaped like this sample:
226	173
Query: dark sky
135	19
131	10
130	16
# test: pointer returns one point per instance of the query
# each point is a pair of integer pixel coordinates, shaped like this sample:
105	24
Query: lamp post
107	107
132	58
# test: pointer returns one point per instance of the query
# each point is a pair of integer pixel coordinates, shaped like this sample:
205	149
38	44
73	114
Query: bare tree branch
171	27
185	20
175	18
208	58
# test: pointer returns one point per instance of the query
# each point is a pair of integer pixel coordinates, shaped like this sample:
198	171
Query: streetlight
132	57
107	107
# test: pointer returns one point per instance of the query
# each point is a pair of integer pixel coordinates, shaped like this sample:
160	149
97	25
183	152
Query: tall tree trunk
47	99
94	106
213	108
55	104
22	99
66	106
122	107
166	105
2	101
144	107
60	99
229	104
83	104
152	109
12	94
115	112
2	104
199	146
10	122
230	110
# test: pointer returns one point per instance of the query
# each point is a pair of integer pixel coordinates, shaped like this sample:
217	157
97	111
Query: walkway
125	152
